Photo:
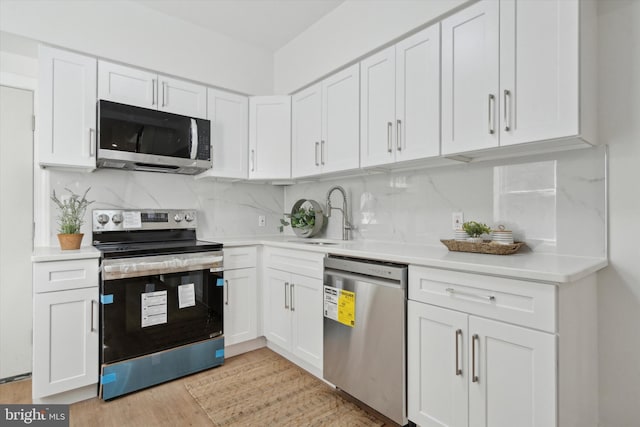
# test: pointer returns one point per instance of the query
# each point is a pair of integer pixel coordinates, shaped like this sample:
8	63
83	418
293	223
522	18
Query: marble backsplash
554	202
224	208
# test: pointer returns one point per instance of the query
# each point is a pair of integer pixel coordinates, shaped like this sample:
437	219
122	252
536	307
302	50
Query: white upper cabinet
67	109
146	89
127	85
229	116
470	78
270	137
400	101
306	131
340	143
516	71
325	130
181	97
539	70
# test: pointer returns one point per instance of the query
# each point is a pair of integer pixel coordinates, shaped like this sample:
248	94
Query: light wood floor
168	404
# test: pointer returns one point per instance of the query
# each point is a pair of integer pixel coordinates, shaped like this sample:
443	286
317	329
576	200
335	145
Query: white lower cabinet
65	330
467	371
487	351
240	306
240	295
293	308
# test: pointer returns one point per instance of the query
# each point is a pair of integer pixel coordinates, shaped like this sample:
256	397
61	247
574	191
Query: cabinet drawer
308	264
61	275
243	257
509	300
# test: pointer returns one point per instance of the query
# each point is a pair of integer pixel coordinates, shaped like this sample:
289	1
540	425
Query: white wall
619	284
127	32
348	32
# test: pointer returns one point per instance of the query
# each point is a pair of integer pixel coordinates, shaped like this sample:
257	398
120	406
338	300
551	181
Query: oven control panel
143	219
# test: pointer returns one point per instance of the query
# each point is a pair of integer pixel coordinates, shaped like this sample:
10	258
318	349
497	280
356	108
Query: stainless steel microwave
137	138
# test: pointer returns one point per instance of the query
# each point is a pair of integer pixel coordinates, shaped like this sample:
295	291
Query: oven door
154	303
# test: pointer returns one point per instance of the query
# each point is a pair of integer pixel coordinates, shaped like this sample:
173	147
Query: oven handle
161	264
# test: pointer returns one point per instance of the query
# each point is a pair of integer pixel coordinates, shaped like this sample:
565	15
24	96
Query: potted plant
306	218
71	218
475	230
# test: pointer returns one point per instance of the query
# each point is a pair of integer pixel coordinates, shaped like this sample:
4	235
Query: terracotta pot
70	241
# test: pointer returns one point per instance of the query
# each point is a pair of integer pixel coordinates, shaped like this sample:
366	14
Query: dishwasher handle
364	278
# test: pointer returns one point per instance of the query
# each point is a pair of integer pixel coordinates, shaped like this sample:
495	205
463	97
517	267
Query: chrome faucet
346	226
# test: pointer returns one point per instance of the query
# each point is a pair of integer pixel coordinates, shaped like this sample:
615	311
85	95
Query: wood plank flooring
168	404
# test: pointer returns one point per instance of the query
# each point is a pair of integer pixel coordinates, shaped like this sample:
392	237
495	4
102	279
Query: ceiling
269	24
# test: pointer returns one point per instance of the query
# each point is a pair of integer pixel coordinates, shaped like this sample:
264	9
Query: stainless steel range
161	298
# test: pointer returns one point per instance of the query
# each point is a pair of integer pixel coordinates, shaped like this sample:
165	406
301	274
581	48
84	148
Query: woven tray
483	248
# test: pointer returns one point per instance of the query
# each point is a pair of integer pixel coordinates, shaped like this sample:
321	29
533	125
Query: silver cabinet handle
153	91
507	110
474	377
226	300
458	337
492	100
286	291
389	130
164	94
253	160
316	152
398	135
93	304
291	298
322	153
92	142
469	294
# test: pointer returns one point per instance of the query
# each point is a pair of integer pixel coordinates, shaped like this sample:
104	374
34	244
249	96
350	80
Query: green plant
72	210
475	229
303	218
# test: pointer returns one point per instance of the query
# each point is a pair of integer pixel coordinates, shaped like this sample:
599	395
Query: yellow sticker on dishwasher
347	308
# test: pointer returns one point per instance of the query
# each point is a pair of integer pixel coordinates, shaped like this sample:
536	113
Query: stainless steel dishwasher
364	332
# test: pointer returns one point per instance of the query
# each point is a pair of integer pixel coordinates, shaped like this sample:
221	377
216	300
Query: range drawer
240	257
310	264
62	275
515	301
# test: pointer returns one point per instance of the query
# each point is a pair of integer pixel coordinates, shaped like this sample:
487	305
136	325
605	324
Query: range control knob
189	217
178	217
103	219
117	219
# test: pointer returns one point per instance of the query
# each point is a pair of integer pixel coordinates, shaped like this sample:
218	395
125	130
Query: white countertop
543	267
54	253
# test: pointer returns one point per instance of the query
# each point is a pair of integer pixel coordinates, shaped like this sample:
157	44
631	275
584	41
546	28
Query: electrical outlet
262	221
457	220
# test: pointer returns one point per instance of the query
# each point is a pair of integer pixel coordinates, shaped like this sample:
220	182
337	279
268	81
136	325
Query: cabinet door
306	114
340	144
437	378
516	375
270	137
377	108
229	116
65	341
277	308
418	95
240	306
181	97
539	70
306	306
67	99
127	85
470	78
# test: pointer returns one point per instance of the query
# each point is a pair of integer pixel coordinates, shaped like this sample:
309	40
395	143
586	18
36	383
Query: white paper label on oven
186	295
132	219
154	308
